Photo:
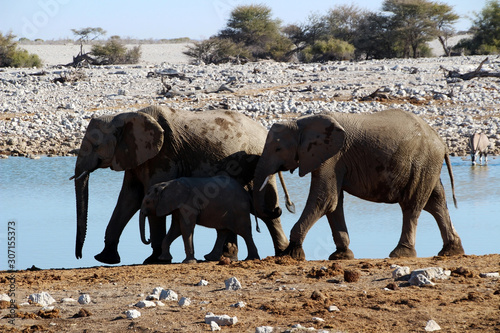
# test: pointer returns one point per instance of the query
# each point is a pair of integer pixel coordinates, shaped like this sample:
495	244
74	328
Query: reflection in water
38	196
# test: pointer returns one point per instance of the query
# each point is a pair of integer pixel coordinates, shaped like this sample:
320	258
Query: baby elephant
218	202
479	144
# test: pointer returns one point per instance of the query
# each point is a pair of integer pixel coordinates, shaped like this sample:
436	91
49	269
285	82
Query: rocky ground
276	295
46	110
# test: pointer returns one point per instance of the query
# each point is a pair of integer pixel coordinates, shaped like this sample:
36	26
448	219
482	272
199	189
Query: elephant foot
452	249
341	254
108	256
295	251
155	260
403	251
190	261
212	257
230	251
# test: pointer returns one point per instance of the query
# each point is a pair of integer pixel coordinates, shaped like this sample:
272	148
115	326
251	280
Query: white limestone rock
43	298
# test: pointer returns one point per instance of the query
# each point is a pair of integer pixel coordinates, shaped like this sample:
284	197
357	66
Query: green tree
12	56
115	52
217	50
254	27
486	31
87	34
443	17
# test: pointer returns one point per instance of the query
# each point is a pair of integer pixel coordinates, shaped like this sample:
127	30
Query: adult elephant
159	144
390	156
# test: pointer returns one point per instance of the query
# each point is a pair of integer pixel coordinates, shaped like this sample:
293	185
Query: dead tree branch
469	76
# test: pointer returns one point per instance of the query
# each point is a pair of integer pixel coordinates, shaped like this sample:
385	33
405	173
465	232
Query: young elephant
218	202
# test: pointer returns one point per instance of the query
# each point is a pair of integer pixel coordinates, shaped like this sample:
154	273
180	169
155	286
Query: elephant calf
218	202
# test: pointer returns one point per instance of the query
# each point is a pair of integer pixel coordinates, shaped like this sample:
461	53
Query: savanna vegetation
13	56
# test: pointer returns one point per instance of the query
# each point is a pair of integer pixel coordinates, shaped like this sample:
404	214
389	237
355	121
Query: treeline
401	30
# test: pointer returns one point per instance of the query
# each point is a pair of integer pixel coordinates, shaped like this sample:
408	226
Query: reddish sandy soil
278	292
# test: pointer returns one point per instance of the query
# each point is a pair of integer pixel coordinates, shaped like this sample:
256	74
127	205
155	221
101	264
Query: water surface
39	198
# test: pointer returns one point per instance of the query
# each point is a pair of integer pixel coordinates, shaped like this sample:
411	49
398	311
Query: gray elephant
390	156
479	145
157	144
218	202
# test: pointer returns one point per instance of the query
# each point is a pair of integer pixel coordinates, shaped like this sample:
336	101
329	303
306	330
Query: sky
167	19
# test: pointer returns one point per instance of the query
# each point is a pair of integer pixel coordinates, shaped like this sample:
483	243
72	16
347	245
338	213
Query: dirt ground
278	291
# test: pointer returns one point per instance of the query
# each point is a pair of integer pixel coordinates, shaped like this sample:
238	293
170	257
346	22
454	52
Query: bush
12	56
332	49
115	52
218	50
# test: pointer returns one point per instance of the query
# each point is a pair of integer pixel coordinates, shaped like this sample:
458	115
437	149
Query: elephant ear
139	138
174	194
321	137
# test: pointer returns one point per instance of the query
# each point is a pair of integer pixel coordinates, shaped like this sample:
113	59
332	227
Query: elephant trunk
142	227
82	201
259	195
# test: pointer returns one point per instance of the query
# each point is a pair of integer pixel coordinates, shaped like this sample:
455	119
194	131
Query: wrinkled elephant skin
391	156
158	144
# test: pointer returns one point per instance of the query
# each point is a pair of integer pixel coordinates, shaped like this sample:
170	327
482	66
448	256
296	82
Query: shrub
217	50
12	56
332	49
115	52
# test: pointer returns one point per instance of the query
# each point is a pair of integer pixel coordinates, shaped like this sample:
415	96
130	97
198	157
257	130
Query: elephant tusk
265	183
83	174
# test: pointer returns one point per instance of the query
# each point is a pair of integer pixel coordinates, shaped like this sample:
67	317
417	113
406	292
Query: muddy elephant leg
157	230
436	205
406	245
280	241
225	245
187	225
129	202
340	234
173	233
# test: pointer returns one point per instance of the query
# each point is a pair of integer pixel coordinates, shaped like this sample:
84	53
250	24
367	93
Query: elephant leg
157	230
129	202
340	234
436	205
173	233
219	246
280	241
187	231
406	245
253	253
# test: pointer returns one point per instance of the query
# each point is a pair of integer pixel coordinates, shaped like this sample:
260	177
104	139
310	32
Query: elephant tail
450	172
288	203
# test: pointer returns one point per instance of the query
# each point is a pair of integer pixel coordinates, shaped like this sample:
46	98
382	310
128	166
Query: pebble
132	314
232	284
50	118
400	271
168	295
489	275
184	301
43	298
145	304
202	283
222	320
84	299
264	329
432	326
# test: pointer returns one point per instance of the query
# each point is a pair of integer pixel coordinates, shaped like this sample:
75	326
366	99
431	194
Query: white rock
214	326
431	273
420	280
84	299
223	320
42	298
168	295
184	301
132	314
489	275
232	284
157	291
48	308
400	271
318	319
4	297
264	329
68	300
333	308
432	326
240	304
202	283
145	304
